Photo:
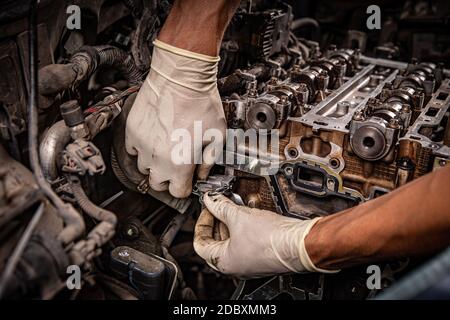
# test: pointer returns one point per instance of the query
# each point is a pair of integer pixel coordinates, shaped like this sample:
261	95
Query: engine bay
352	122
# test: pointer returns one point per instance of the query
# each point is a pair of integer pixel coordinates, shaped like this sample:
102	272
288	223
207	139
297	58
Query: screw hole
293	153
334	163
261	116
368	142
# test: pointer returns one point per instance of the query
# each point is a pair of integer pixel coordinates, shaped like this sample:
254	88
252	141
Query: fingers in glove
221	232
205	167
222	208
181	185
211	250
216	231
131	150
142	164
157	182
129	143
203	171
224	233
204	229
211	154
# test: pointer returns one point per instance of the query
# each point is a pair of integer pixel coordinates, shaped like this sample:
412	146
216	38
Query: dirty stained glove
179	92
260	243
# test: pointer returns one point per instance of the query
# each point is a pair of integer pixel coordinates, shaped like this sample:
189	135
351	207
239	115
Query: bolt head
434	146
330	184
358	116
132	231
124	253
288	171
394	124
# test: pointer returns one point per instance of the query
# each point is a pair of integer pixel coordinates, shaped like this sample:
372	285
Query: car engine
351	120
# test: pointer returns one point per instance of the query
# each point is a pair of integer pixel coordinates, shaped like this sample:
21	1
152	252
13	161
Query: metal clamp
215	185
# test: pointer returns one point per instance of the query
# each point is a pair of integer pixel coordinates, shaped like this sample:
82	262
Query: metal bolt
253	201
284	100
394	124
132	231
330	184
358	116
288	171
303	87
124	253
406	108
434	146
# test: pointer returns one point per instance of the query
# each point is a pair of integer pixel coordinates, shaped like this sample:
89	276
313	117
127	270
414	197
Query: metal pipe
74	224
55	140
391	63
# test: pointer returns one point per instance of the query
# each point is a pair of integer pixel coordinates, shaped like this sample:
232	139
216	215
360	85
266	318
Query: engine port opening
368	142
432	112
261	116
312	178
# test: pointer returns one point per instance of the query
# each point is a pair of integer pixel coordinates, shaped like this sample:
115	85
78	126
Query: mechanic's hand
260	243
181	89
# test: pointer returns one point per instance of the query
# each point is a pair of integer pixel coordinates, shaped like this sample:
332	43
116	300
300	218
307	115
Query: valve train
349	127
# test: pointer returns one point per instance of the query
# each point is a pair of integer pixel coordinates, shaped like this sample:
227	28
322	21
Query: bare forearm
198	25
410	221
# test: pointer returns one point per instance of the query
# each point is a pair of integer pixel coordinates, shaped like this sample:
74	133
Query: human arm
409	221
179	101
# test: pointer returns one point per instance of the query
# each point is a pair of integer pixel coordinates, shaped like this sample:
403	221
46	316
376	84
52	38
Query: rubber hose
74	224
88	206
120	60
56	78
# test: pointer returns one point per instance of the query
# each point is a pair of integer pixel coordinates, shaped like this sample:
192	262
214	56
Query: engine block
351	129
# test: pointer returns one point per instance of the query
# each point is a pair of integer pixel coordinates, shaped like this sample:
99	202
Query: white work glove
261	243
180	89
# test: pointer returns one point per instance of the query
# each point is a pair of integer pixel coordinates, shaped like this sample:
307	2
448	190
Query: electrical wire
33	106
19	249
74	222
33	152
